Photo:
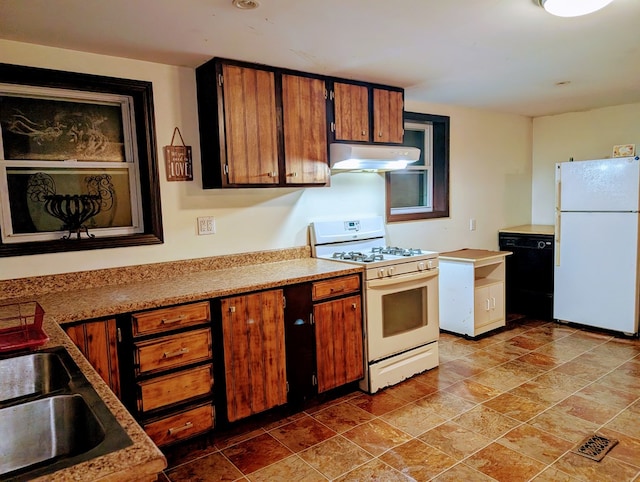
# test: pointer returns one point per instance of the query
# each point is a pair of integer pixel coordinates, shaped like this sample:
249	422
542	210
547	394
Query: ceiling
501	55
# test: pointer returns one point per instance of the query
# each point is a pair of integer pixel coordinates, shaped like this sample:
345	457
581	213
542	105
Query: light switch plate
206	225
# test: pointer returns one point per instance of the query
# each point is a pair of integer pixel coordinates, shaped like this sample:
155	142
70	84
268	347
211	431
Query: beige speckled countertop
529	229
144	287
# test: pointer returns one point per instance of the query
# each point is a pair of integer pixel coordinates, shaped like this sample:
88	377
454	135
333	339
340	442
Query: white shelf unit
472	291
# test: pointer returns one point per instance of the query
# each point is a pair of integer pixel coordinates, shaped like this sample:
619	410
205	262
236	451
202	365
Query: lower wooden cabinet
254	353
98	342
181	426
162	391
324	336
339	349
171	383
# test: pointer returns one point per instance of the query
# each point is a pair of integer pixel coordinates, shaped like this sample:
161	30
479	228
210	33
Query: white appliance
400	298
596	235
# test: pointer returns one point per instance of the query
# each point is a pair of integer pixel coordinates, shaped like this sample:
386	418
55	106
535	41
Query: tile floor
507	407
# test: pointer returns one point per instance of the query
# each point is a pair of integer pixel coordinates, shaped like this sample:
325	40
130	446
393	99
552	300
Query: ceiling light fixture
246	4
572	8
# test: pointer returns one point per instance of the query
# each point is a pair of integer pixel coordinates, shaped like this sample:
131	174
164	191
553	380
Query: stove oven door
401	313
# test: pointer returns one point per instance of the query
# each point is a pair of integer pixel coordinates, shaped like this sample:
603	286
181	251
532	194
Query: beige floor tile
377	436
486	422
504	464
335	457
413	419
417	460
455	440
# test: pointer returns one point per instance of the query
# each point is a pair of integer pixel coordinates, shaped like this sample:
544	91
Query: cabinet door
304	110
388	113
496	302
339	352
482	306
351	109
250	125
254	353
98	342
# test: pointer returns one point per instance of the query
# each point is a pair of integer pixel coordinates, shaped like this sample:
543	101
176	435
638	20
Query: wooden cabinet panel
250	125
351	107
180	426
304	112
164	319
172	351
254	353
169	389
98	342
336	287
388	116
339	343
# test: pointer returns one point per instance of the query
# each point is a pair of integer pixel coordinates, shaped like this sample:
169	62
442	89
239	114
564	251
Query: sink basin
31	375
51	417
41	430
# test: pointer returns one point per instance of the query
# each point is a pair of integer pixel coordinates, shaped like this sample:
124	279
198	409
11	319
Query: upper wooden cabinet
304	112
250	126
263	126
260	127
351	111
367	114
388	116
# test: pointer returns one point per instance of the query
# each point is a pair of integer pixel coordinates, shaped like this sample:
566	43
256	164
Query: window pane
409	189
416	138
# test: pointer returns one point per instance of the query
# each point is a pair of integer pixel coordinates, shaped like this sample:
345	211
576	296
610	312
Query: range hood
371	157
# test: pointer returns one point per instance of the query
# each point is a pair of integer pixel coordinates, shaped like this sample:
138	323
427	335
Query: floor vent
595	447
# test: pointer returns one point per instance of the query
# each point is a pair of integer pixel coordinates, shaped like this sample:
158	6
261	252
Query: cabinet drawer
180	426
177	387
336	287
172	351
165	319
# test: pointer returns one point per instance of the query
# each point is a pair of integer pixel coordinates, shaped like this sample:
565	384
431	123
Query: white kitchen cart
472	291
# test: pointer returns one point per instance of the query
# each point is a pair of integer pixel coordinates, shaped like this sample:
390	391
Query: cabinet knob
354	306
364	133
380	134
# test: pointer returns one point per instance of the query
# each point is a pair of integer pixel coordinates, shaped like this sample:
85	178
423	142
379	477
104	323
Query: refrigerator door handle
558	215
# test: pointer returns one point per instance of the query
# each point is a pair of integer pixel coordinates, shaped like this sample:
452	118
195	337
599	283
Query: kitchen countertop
143	460
473	255
530	229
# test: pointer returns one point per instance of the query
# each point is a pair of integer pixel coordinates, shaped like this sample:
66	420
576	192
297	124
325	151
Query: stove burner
358	256
395	251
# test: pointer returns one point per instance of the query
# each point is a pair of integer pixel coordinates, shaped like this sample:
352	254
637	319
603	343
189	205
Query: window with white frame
68	164
421	190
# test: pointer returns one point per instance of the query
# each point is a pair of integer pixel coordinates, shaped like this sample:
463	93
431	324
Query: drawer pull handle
164	321
172	354
339	289
175	430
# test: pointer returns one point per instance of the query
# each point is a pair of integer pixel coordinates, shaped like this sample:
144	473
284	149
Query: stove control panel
352	225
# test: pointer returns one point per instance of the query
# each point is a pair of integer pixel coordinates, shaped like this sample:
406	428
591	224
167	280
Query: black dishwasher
529	274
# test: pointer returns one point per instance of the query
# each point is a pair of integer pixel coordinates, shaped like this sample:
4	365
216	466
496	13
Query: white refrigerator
596	243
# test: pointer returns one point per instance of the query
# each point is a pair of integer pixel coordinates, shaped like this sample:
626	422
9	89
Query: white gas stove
401	297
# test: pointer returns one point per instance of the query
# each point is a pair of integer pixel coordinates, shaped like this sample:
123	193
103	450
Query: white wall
581	135
490	181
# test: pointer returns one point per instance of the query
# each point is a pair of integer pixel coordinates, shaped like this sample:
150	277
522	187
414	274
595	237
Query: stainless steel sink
41	430
31	375
51	417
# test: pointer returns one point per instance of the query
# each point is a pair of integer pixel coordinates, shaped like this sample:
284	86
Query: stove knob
430	264
390	272
421	266
380	272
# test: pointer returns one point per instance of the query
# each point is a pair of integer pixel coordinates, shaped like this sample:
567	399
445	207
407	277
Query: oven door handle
394	280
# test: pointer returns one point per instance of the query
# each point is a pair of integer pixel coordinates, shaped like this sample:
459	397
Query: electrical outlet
472	224
206	225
